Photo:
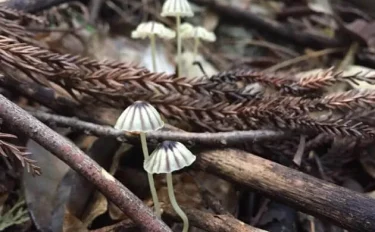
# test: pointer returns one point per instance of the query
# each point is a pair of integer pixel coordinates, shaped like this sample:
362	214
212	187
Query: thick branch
343	207
213	223
20	120
220	138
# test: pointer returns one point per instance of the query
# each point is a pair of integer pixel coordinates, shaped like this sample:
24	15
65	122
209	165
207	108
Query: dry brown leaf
73	224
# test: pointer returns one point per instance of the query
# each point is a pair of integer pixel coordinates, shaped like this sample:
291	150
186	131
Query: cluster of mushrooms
141	117
152	30
169	156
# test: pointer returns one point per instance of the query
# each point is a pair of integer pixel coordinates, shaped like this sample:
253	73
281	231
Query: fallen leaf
43	188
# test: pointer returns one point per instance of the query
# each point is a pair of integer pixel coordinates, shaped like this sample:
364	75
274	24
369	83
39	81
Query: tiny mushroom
198	33
177	9
150	30
141	117
168	157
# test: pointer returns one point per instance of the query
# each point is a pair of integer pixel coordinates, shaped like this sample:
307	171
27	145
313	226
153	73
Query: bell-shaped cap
176	8
189	31
148	29
139	117
168	157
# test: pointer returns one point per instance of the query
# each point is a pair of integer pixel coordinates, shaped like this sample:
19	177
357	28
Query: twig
18	119
220	138
272	46
303	58
213	223
341	206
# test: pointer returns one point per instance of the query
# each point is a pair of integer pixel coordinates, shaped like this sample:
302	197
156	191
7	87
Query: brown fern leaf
13	30
111	78
13	22
329	77
352	100
316	81
20	17
182	99
7	149
239	79
349	100
84	73
305	124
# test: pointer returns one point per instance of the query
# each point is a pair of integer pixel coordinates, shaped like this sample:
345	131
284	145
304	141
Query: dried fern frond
285	120
20	17
327	78
349	100
7	149
276	80
182	99
13	22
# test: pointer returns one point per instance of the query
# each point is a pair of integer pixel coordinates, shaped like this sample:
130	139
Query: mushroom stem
196	45
174	203
179	46
150	177
153	52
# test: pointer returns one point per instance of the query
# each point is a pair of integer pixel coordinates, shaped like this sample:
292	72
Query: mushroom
177	9
198	33
168	157
141	117
150	30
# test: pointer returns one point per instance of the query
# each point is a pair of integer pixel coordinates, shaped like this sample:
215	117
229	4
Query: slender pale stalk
153	52
196	45
179	46
151	182
174	203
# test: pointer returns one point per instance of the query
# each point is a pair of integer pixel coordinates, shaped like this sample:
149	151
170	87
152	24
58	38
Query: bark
343	207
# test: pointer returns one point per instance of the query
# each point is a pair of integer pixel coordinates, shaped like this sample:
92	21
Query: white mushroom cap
148	29
189	31
177	8
168	157
139	117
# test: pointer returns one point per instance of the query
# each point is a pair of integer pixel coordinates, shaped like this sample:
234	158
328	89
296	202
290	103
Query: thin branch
308	56
18	119
220	138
